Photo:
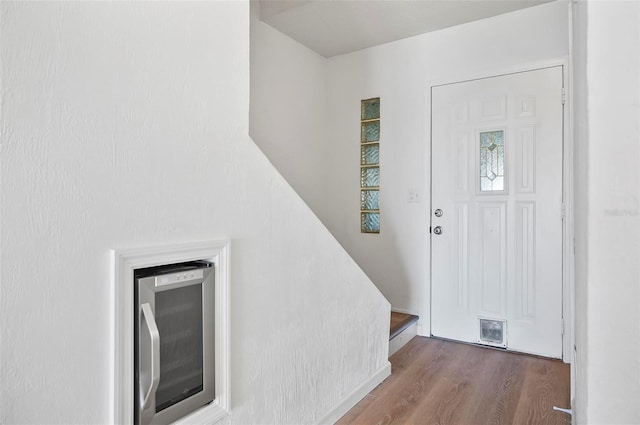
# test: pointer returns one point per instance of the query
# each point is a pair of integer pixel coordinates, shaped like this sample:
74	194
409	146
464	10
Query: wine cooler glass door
179	320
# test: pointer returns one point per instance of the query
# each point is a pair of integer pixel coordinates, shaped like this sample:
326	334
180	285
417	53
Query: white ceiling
334	27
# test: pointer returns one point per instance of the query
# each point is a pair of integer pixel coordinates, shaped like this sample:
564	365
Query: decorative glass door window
492	161
370	165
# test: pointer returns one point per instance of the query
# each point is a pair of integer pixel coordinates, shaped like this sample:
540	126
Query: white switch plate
414	196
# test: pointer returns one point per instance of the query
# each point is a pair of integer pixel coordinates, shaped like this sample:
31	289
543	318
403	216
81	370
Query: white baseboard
358	394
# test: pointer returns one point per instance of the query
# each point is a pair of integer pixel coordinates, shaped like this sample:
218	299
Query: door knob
437	230
438	212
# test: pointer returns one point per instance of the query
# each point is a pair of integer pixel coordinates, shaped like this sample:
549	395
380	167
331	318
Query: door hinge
562	329
563	212
563	96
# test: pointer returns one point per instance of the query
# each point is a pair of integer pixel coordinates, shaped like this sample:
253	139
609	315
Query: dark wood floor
447	383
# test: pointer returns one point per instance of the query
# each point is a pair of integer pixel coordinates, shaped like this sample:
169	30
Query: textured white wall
580	145
400	73
608	320
125	125
288	109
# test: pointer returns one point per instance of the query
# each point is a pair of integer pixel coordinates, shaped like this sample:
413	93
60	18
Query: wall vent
493	332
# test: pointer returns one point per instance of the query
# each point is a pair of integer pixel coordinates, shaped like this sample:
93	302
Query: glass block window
370	165
370	154
369	200
370	176
492	161
370	131
370	223
371	109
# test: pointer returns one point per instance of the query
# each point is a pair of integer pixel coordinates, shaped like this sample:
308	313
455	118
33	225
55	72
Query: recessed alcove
124	262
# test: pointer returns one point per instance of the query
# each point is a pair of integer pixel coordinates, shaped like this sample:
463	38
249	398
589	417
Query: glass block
370	154
370	109
492	161
369	200
370	222
370	131
370	177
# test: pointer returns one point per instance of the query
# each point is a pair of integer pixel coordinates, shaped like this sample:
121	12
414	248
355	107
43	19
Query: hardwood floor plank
413	368
436	385
547	385
453	392
499	384
447	383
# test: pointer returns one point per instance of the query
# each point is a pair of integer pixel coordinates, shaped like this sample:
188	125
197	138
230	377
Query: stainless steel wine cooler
174	341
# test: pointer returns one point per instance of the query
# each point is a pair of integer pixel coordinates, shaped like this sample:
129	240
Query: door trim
567	191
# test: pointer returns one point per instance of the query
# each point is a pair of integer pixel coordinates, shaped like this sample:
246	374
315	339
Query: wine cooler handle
155	353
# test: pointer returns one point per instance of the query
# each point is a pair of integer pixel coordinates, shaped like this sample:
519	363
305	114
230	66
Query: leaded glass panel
492	161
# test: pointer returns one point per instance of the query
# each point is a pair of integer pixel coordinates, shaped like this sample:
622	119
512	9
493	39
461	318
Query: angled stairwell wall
305	116
125	125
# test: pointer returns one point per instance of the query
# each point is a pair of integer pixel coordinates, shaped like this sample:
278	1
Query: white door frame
568	292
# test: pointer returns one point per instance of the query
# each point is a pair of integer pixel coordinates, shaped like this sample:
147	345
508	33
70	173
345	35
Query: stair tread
400	322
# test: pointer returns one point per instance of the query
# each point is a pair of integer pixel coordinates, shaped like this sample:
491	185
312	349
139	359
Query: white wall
580	143
400	73
608	265
125	125
288	118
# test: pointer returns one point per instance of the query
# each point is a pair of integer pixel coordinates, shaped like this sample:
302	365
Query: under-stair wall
125	125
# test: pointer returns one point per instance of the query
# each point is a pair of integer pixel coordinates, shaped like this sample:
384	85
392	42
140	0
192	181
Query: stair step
402	330
400	322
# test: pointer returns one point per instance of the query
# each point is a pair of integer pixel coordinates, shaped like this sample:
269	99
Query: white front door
496	242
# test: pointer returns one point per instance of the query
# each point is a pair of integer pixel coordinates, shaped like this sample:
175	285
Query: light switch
414	196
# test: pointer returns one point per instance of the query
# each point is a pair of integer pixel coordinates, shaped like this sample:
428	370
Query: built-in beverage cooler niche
174	340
